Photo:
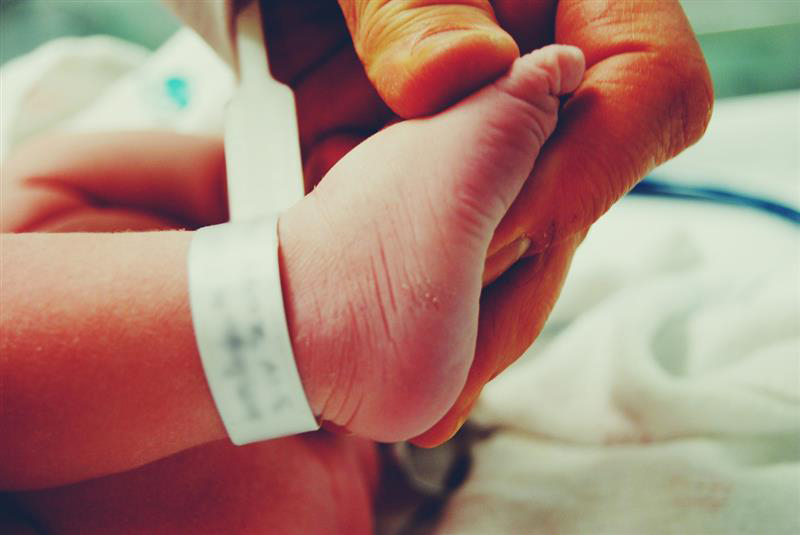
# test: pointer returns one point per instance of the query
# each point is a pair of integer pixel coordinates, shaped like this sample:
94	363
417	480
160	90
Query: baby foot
382	262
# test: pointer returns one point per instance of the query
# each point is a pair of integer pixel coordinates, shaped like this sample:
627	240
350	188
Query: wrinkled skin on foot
383	261
646	96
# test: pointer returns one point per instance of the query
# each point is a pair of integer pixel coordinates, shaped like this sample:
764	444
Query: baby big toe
490	141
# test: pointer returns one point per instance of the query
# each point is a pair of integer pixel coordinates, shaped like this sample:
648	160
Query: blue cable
658	188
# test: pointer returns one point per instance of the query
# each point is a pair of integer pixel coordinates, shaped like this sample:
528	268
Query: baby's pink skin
317	483
382	269
383	260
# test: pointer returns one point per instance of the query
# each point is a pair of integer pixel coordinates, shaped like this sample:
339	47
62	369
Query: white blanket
664	394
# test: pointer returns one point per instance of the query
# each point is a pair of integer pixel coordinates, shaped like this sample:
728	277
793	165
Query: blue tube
653	187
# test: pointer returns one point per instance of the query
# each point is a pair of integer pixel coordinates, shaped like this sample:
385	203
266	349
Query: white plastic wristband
240	327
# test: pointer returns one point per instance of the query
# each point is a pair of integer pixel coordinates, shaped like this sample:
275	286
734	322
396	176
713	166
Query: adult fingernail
500	261
523	244
458	426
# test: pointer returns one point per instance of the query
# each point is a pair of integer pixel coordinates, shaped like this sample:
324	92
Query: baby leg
113	181
313	483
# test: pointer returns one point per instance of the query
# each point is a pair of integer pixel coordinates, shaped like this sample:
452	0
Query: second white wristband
241	331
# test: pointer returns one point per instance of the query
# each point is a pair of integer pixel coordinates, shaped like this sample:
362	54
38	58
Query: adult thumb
422	55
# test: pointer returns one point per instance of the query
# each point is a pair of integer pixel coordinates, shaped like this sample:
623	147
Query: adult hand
646	96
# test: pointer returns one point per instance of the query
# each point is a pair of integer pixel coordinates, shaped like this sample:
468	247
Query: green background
752	46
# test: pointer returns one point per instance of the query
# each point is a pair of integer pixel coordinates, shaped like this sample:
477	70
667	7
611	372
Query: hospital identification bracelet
241	331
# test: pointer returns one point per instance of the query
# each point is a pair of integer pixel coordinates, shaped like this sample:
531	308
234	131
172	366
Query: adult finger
424	54
340	80
325	153
513	310
310	49
646	96
531	23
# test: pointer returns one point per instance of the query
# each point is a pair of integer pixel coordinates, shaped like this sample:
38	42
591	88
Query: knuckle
690	102
377	24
